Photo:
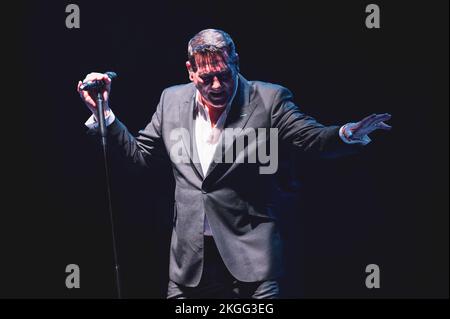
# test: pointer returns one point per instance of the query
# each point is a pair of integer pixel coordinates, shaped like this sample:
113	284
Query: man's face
215	78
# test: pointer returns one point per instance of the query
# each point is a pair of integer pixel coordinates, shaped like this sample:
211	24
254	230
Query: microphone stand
103	133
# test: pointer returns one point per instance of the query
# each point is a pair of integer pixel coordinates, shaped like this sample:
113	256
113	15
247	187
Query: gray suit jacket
239	201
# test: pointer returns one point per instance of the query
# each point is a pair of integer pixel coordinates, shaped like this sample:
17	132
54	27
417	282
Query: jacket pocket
265	212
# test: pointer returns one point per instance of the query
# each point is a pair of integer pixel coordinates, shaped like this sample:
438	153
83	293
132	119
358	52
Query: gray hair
211	41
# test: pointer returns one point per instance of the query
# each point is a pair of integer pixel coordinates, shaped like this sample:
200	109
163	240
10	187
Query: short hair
211	42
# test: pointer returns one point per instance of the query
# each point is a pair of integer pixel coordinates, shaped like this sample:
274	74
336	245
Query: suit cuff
92	123
346	135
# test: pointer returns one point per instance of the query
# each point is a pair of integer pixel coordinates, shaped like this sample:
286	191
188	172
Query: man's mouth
217	95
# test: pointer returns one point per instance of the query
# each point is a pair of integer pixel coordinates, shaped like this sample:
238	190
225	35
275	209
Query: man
225	242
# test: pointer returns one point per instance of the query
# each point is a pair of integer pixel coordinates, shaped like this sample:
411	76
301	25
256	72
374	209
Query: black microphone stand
103	133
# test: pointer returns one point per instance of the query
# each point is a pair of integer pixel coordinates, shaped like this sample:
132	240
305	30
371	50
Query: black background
387	205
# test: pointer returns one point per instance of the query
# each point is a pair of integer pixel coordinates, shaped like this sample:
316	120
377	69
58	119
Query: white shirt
207	137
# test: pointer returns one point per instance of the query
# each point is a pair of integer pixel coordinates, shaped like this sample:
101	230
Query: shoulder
178	92
173	96
270	91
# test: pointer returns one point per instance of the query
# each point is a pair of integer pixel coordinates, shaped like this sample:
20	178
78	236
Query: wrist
346	132
106	112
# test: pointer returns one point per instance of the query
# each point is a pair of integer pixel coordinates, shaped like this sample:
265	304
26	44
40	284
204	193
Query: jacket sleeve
303	132
147	147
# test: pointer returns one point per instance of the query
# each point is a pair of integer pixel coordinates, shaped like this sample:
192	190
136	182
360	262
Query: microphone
96	85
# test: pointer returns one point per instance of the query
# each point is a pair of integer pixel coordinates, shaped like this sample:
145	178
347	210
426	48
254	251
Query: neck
214	111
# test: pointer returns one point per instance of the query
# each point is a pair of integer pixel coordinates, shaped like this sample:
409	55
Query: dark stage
387	205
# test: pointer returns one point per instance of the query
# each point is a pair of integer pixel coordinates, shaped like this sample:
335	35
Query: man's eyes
224	76
206	78
220	76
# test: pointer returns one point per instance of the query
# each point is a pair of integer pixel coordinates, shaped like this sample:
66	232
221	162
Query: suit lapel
186	119
240	112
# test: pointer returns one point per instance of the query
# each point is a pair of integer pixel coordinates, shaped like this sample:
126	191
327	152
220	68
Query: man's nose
216	83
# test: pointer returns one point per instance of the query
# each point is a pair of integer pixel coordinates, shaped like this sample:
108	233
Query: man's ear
237	62
191	72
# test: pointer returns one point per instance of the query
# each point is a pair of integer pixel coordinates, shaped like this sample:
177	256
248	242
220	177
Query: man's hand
88	97
356	131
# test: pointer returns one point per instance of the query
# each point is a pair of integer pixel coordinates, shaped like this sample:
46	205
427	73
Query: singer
225	239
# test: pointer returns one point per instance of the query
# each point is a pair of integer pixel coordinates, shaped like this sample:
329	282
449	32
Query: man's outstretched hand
367	125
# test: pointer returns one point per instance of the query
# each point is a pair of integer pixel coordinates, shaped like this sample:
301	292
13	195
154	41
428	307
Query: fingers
370	124
363	123
86	95
376	122
367	119
382	117
378	118
372	120
108	83
383	126
94	76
